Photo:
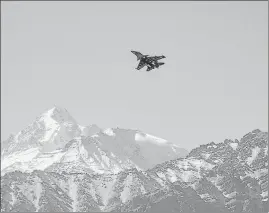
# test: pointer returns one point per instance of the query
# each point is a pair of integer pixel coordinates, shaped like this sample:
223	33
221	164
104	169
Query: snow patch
106	160
13	197
125	194
71	155
203	196
50	125
104	187
160	181
82	128
257	173
234	145
109	132
142	189
255	152
73	188
204	164
38	191
20	156
172	175
161	175
231	195
265	194
45	160
187	176
149	138
183	164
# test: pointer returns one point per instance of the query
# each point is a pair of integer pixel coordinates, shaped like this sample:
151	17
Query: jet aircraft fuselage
150	61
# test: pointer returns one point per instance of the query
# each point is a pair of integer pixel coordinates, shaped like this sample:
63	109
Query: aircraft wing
150	68
140	65
155	58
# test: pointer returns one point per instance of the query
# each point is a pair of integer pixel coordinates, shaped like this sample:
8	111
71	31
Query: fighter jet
150	61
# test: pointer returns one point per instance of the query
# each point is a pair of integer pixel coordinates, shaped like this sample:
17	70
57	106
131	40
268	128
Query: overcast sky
77	55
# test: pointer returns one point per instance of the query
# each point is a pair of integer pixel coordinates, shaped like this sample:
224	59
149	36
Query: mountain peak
58	114
256	131
51	130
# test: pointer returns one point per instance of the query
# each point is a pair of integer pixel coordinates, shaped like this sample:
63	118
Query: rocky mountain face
225	177
114	170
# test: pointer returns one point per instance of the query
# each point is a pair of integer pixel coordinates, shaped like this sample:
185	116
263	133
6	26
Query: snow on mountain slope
45	191
89	130
190	185
112	151
213	178
144	154
221	182
23	156
54	141
49	133
50	130
186	170
146	137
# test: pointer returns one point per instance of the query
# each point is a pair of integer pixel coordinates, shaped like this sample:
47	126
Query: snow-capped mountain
114	170
49	132
191	184
56	142
212	178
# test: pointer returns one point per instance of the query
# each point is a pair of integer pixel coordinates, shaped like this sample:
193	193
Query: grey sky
77	55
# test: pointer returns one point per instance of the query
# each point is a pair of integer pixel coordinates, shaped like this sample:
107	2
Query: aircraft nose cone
134	52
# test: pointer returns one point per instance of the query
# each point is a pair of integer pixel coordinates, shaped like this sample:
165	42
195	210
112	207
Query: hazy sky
213	86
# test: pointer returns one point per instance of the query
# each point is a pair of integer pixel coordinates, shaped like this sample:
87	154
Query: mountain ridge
55	138
113	170
189	184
